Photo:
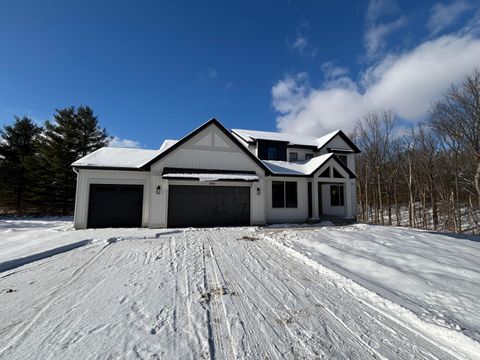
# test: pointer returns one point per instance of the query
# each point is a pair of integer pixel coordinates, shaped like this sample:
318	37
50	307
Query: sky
155	70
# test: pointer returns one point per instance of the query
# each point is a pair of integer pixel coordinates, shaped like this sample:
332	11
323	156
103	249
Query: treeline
425	175
35	172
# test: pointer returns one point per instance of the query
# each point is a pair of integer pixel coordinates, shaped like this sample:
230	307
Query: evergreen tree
18	149
72	134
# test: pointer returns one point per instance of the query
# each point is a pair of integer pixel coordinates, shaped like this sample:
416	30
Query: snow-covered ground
231	293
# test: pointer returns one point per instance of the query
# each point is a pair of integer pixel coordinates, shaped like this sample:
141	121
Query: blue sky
157	69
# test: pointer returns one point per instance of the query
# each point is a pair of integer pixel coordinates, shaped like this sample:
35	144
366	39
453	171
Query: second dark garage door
112	205
208	205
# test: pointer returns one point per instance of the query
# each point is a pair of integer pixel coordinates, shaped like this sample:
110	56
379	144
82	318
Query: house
214	176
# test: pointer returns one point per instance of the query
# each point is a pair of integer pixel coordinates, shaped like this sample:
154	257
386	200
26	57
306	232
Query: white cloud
441	16
377	29
126	143
407	83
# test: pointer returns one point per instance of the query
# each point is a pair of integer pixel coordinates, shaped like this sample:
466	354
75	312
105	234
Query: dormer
297	148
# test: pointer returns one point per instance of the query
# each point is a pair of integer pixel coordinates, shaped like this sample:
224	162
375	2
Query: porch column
348	199
315	199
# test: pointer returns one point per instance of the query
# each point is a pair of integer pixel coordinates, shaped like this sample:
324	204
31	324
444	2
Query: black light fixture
258	190
158	189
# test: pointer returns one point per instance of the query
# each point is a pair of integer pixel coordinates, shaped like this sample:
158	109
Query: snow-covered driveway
203	293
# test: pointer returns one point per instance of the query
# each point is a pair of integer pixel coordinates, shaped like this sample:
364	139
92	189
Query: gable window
293	156
284	194
308	156
325	173
336	174
272	153
343	158
336	195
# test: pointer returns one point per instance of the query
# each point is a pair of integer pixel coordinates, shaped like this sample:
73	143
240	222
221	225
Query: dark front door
208	205
113	205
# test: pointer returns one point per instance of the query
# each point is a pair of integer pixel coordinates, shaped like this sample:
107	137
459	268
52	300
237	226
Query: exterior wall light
258	191
158	189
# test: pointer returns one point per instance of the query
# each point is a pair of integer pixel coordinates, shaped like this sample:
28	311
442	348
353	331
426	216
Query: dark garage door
115	205
208	205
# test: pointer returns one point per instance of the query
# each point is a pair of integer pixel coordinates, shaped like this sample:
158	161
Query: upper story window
272	150
272	153
293	156
284	194
308	156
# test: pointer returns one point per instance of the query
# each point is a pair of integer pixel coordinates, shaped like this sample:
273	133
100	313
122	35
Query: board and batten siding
85	177
279	215
208	150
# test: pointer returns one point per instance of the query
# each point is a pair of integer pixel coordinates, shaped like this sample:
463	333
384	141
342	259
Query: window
278	194
336	195
293	156
336	174
326	173
284	194
272	153
308	156
343	158
291	194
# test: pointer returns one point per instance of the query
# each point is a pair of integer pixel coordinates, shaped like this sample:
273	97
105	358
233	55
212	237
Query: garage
112	205
191	205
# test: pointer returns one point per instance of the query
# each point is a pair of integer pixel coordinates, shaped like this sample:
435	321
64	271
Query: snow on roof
213	176
291	139
167	144
297	168
117	158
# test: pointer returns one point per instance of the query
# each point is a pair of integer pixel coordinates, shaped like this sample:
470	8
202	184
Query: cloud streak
442	16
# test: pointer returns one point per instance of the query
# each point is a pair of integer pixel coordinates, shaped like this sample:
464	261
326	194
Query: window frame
341	157
283	199
290	156
308	156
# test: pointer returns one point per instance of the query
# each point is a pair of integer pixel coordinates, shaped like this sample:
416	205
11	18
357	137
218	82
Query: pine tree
18	148
72	134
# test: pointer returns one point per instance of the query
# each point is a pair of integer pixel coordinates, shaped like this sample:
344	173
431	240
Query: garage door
113	205
208	205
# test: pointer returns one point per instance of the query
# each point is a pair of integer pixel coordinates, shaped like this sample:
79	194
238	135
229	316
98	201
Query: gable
209	147
340	141
333	169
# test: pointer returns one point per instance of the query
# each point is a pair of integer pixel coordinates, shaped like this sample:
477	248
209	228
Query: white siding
86	177
301	153
209	149
298	214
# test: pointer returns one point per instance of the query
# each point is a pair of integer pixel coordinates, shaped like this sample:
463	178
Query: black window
326	173
284	194
336	195
291	194
336	174
343	158
278	194
293	156
308	156
272	153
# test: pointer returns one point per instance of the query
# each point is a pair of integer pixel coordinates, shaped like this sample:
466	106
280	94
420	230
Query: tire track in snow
376	318
300	336
17	336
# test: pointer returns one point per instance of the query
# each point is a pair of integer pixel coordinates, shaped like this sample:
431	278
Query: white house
214	176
